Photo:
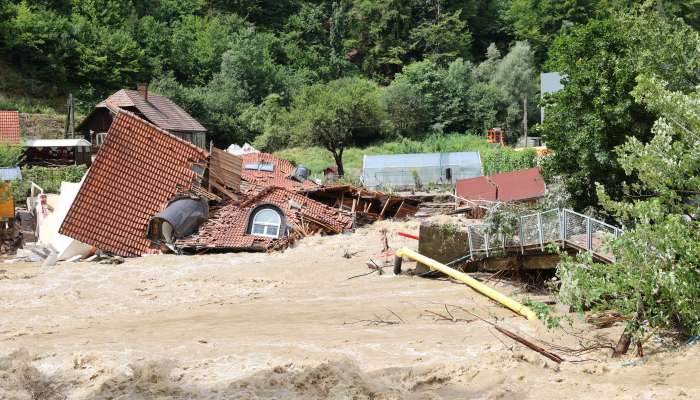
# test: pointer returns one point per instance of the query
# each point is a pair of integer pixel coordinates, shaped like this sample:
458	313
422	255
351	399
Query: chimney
142	88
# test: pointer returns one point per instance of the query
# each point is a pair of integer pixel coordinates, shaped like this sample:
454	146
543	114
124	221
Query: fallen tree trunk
529	344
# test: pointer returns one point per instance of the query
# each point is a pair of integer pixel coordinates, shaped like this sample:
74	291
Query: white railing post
589	234
469	238
539	229
520	235
486	242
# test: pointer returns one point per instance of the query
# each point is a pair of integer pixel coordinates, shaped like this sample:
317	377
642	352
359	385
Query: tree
654	279
514	75
406	109
595	111
198	44
338	114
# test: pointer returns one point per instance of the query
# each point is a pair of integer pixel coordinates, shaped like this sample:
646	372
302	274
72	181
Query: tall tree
338	114
595	112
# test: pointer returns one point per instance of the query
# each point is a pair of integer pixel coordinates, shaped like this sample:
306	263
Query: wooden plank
225	170
386	203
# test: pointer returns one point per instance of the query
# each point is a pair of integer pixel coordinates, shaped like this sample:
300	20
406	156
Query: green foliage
654	279
338	114
10	155
544	313
48	178
595	111
316	158
504	159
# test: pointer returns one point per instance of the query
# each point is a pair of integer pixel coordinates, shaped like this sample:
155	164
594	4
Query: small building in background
57	152
154	108
9	127
526	185
411	171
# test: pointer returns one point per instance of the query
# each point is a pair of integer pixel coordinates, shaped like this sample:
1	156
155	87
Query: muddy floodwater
290	325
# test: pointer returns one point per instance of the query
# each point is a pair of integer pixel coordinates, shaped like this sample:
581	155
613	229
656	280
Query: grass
495	159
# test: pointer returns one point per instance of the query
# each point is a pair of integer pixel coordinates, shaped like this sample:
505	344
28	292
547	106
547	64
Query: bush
10	155
505	159
47	178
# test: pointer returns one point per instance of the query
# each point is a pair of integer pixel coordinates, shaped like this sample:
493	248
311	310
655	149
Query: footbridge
534	232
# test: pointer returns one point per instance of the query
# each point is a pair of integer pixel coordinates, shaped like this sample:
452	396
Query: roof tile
137	170
279	176
9	127
227	228
159	110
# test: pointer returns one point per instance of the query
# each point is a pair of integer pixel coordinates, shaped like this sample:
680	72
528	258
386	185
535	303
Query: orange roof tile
138	169
279	176
9	127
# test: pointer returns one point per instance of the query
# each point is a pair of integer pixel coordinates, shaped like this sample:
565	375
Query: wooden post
381	214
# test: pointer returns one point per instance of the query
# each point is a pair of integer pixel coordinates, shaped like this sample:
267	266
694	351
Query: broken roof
519	185
137	171
264	170
157	109
227	228
9	127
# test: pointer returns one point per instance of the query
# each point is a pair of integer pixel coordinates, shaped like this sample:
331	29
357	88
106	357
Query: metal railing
540	229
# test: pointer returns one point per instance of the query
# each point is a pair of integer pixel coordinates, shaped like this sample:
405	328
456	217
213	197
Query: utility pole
70	118
525	118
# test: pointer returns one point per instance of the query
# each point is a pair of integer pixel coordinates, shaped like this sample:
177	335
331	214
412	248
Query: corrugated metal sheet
10	174
519	185
397	170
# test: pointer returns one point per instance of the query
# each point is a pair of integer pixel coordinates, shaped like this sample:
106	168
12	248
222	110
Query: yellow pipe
473	283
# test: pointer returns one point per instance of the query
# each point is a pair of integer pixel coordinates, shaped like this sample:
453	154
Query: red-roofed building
522	185
9	127
269	219
262	170
138	170
154	108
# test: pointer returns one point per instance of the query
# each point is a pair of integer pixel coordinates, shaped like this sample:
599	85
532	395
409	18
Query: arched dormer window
267	222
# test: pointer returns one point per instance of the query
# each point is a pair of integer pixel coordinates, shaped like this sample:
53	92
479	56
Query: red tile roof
509	186
157	109
279	176
137	170
9	127
227	228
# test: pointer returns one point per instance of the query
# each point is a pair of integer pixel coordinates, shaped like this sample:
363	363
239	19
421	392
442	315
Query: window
266	222
260	166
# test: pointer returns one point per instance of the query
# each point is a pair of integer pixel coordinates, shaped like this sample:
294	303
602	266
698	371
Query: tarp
182	217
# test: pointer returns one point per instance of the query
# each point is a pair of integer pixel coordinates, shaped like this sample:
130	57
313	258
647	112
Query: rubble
232	226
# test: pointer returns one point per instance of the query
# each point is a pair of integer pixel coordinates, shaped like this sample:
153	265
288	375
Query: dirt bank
289	326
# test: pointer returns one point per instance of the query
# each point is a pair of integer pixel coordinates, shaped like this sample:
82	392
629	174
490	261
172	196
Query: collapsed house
137	171
269	219
148	190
